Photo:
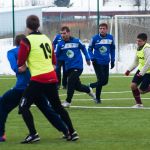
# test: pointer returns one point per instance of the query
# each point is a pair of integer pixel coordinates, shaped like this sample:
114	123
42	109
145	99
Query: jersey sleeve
84	50
112	51
12	60
147	61
90	49
23	52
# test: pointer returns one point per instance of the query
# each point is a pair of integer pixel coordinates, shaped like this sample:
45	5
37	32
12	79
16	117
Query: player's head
65	33
103	29
141	39
33	22
18	38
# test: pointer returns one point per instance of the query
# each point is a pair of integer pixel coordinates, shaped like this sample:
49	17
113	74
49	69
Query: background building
125	19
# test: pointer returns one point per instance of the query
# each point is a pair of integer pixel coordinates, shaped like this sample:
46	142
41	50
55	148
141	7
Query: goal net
127	27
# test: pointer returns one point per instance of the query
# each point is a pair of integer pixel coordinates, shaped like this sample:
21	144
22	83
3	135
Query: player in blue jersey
102	52
71	48
60	63
11	98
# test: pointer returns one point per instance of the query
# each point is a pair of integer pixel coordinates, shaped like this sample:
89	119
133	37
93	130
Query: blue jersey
72	51
22	78
102	49
56	40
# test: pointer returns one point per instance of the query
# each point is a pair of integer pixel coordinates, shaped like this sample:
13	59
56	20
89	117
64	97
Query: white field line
102	93
11	78
107	99
107	107
104	107
90	76
96	107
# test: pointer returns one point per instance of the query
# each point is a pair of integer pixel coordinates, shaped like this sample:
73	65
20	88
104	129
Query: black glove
112	65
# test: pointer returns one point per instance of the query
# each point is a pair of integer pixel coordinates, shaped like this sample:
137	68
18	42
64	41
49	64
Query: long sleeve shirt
72	51
136	62
22	78
102	49
56	40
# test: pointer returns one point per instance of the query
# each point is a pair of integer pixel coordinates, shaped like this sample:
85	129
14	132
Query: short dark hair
33	22
103	25
65	28
18	39
142	36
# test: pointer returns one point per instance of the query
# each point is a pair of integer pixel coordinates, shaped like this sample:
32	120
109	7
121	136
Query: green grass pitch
112	125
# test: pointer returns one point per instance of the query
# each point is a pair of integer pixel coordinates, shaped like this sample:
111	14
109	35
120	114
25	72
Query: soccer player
102	52
36	50
71	48
12	97
60	63
141	80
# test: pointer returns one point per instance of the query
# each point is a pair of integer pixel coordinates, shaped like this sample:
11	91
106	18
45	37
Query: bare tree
63	3
144	4
138	4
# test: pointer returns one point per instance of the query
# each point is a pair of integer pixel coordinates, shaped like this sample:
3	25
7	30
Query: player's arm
23	52
58	50
112	50
90	49
112	54
84	50
147	61
12	60
54	42
133	66
53	57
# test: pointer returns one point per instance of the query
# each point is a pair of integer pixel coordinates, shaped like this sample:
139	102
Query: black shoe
67	137
31	138
74	136
98	101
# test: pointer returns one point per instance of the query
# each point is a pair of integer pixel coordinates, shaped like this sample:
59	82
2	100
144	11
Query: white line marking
107	107
102	93
117	92
7	78
92	76
104	107
106	99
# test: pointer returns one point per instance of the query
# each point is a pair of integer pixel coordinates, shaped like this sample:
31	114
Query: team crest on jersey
70	54
103	50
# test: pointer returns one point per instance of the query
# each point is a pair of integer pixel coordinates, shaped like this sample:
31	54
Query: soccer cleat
31	139
98	101
138	106
74	136
92	94
66	104
3	138
67	137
